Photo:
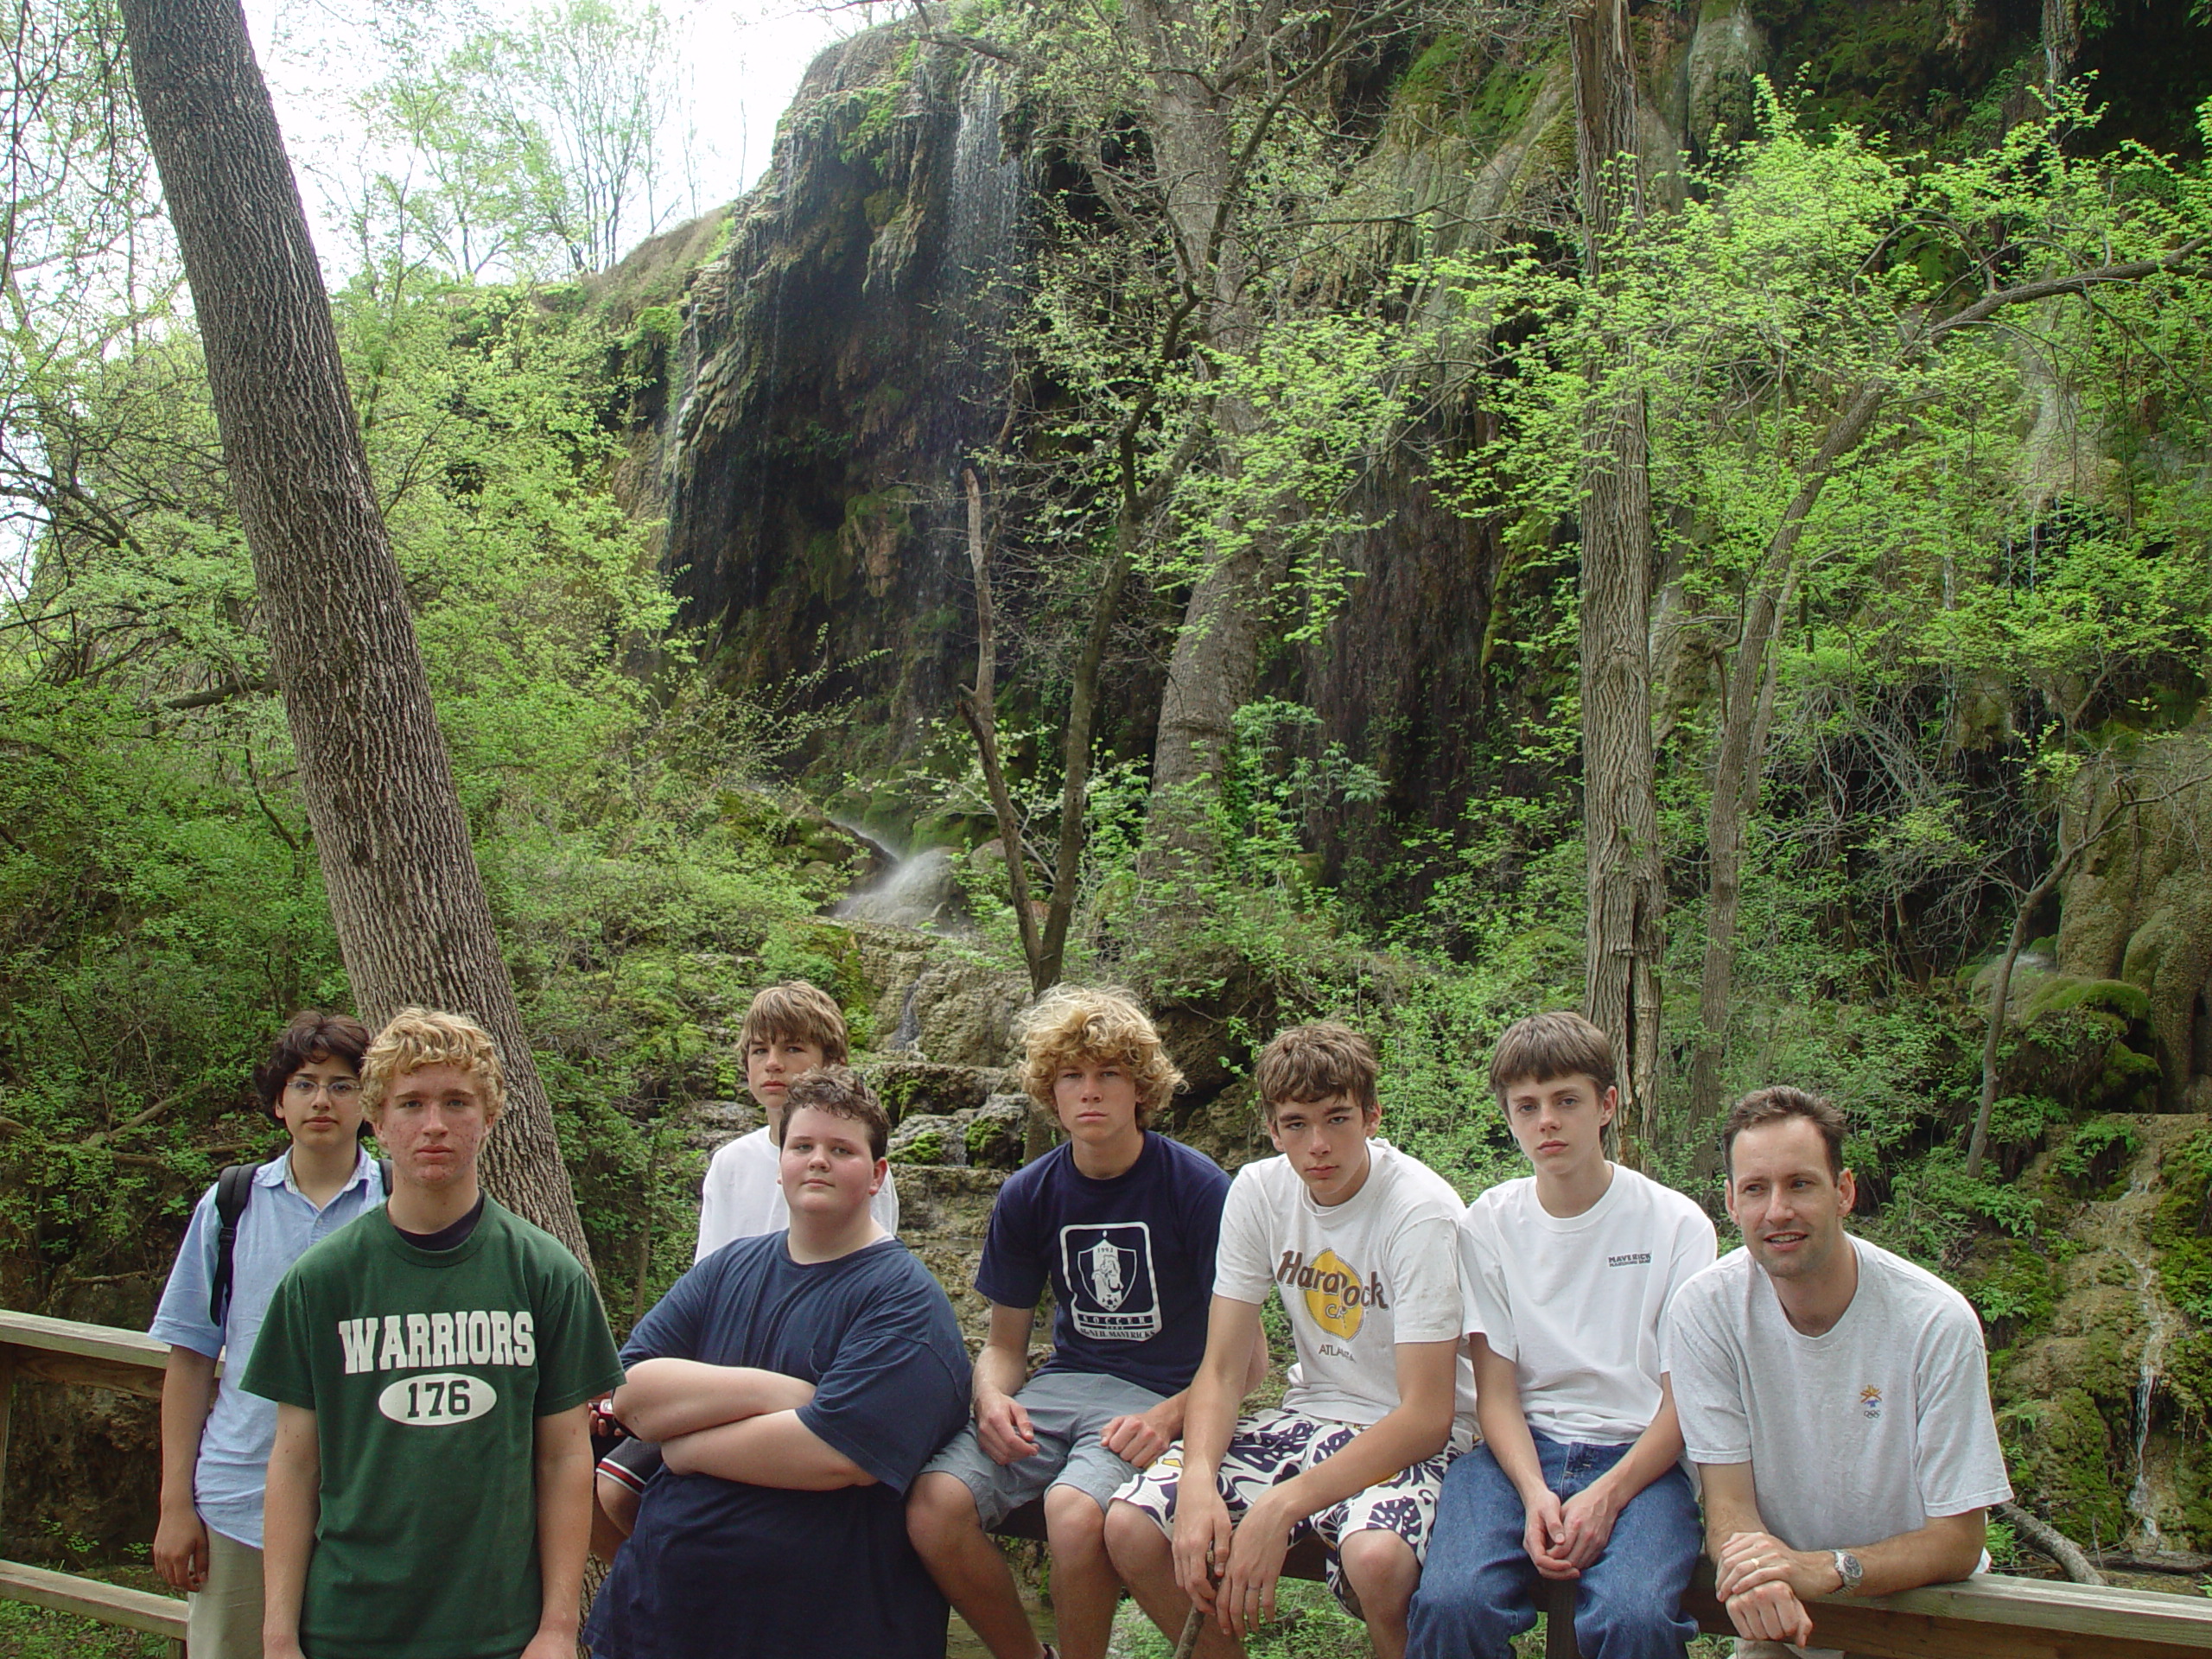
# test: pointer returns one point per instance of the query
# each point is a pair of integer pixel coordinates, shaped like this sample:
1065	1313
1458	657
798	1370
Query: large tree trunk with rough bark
1625	932
409	906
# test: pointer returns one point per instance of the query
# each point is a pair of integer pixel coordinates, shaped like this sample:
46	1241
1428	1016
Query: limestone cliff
836	355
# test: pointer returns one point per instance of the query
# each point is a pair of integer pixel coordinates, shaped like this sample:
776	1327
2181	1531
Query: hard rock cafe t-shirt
1357	1278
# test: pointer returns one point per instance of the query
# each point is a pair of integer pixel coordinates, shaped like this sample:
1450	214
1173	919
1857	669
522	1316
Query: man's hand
1255	1553
1748	1560
547	1644
1764	1585
1202	1536
180	1548
1138	1438
1771	1612
1588	1518
1002	1427
286	1647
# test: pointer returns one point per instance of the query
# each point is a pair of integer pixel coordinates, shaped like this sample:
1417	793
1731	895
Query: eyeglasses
340	1089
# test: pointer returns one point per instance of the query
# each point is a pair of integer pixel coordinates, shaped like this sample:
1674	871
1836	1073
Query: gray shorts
1068	1410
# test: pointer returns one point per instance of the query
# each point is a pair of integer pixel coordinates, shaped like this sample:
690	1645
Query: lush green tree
1831	398
530	146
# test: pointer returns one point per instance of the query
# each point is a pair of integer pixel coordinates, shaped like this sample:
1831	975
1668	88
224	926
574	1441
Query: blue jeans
1477	1590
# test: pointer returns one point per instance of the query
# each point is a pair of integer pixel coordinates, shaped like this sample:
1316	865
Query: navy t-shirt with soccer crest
1129	1259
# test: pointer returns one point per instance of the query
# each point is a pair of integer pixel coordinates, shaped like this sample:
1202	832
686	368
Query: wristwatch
1847	1569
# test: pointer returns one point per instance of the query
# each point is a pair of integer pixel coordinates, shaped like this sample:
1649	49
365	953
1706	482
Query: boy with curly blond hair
430	1491
1122	1222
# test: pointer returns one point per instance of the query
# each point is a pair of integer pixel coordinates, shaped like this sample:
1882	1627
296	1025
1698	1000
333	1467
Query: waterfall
2121	1225
917	890
2142	1502
986	192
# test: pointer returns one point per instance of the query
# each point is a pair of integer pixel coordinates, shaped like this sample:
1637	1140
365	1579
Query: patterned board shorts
1272	1446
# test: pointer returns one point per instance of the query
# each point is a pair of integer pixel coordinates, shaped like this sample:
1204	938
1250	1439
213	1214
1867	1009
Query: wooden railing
90	1356
1986	1616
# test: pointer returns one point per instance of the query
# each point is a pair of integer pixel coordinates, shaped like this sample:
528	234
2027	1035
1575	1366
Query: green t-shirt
427	1371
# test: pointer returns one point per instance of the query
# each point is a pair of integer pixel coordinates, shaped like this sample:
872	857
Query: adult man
1361	1241
215	1457
1834	1396
1121	1223
430	1494
796	1383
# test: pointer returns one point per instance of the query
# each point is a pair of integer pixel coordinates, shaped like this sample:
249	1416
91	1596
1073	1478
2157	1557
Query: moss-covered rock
2059	1449
909	1087
930	1138
2014	1286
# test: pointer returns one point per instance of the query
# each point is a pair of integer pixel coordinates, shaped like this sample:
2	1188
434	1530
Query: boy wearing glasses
216	1439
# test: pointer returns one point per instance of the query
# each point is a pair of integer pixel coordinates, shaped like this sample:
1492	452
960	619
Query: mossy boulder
2139	911
910	1087
930	1138
2085	1043
2014	1286
2059	1449
998	1134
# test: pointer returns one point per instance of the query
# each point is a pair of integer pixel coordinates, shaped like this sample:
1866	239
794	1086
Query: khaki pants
1757	1650
225	1620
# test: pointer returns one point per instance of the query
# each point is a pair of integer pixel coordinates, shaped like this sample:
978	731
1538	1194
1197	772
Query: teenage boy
797	1382
430	1494
215	1458
1569	1272
790	1029
1121	1223
1359	1238
1834	1397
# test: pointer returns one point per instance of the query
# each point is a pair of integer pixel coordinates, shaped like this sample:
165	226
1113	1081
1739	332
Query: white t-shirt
1576	1302
1357	1278
741	1198
1854	1435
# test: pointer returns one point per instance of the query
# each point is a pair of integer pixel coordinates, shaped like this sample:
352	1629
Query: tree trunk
979	707
1214	665
1075	751
1746	718
1625	932
410	907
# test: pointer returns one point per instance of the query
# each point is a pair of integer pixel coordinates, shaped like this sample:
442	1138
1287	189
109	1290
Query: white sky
745	58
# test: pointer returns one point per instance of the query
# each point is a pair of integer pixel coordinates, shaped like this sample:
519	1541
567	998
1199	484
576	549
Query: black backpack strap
383	1168
232	1188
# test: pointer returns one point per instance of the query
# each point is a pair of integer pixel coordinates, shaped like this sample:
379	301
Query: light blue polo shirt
279	1225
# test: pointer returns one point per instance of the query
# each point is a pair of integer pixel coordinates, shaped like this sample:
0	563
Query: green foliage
1935	1199
29	1632
2181	1230
163	902
1308	1624
2014	1288
2101	1145
516	146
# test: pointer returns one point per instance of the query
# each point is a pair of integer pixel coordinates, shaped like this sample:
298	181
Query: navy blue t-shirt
1131	1260
722	1569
